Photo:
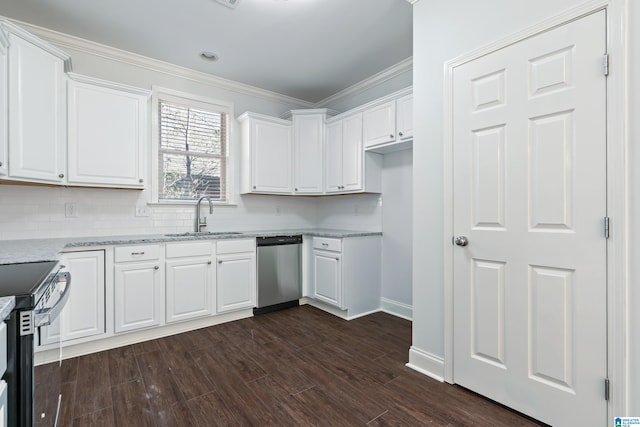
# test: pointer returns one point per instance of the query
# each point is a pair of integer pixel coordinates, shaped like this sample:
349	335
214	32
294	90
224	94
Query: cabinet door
333	158
379	124
405	117
308	140
327	277
189	288
271	157
4	110
84	313
236	281
139	301
37	123
352	153
107	135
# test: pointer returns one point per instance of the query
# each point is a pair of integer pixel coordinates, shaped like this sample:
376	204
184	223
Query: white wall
444	30
397	239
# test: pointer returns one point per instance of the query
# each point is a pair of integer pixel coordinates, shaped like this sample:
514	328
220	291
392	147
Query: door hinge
607	391
607	227
605	64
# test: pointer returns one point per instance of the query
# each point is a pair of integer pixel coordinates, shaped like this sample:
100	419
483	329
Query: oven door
47	378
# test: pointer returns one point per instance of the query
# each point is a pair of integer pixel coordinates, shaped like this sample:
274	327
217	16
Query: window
192	149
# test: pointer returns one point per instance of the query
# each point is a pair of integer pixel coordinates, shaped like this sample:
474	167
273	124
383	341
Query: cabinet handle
209	262
391	136
141	180
156	268
324	245
0	164
137	253
219	262
294	188
254	187
400	134
61	175
337	259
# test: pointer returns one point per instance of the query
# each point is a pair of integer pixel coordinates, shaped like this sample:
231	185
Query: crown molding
82	45
366	84
7	26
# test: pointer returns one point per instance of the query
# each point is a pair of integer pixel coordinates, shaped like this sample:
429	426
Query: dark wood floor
296	367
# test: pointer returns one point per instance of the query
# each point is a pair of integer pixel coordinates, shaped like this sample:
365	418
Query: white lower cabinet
346	273
83	315
236	275
190	280
138	287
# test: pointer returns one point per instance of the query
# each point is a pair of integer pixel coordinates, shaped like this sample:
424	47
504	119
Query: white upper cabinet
379	124
4	103
404	115
37	102
344	162
107	133
266	154
388	123
308	142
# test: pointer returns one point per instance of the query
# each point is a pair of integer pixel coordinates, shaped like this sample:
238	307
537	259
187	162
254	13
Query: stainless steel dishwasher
279	273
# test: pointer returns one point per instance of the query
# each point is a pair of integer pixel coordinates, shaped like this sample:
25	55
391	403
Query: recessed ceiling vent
229	3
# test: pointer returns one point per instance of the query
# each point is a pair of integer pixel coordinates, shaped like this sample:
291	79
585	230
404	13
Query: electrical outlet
71	210
143	211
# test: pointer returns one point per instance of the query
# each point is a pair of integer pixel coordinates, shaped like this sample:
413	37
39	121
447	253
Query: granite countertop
6	305
36	250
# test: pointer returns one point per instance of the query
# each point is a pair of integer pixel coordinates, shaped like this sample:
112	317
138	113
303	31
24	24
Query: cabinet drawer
233	246
3	348
137	253
327	244
202	248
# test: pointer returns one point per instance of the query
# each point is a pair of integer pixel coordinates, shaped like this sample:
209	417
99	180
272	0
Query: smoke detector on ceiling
229	3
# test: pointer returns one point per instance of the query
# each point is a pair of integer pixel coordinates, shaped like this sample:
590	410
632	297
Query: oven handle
45	317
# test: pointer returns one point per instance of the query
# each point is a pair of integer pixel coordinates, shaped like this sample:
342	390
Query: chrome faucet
202	222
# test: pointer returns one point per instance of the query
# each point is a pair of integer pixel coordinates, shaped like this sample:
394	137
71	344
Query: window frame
195	101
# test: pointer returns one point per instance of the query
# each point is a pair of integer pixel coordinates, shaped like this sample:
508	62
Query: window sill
190	203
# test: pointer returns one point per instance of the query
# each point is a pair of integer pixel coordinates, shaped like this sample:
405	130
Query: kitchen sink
202	233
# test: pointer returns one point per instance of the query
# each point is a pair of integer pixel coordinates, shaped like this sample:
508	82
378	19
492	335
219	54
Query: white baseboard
396	308
101	344
426	363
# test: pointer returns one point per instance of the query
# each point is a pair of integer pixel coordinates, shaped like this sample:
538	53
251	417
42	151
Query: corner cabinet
37	102
266	154
108	135
138	287
347	168
308	152
346	273
236	274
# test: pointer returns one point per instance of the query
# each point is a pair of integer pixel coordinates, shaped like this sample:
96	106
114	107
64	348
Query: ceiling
306	49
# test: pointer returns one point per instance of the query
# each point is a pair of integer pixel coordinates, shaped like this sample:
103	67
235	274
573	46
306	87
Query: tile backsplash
43	212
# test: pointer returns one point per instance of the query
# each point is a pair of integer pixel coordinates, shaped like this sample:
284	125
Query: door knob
461	241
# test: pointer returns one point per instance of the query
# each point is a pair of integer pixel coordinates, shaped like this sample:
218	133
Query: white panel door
308	140
333	157
84	313
236	281
271	156
327	278
37	123
189	288
379	124
107	136
352	153
139	299
530	197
